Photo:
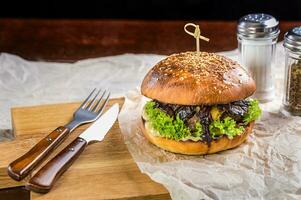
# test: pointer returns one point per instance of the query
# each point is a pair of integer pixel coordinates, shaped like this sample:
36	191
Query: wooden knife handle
21	167
45	178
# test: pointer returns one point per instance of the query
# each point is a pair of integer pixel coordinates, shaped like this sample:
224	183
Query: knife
44	179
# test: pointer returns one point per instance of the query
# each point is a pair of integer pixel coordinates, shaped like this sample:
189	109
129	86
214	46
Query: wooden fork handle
45	178
21	167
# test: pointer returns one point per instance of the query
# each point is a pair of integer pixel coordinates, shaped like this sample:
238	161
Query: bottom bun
197	148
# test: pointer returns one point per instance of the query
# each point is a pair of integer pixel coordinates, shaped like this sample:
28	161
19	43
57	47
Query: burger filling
199	123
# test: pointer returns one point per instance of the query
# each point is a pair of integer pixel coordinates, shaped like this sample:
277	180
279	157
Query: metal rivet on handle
49	139
71	149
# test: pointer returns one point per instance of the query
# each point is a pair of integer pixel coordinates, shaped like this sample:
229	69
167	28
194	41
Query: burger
198	104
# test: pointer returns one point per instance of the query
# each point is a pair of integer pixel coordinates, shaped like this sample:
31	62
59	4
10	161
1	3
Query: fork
89	111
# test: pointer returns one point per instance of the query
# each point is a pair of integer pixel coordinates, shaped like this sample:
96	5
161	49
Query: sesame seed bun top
194	79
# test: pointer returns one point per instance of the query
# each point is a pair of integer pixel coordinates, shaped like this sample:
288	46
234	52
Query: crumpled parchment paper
266	166
24	83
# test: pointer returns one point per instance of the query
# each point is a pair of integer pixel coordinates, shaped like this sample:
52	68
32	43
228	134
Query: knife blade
98	130
44	179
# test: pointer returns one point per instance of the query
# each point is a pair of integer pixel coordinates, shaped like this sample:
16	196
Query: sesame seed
198	66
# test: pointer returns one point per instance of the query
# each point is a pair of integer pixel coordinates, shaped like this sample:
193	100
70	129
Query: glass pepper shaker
257	35
292	95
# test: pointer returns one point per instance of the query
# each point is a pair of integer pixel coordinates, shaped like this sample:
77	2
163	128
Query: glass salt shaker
292	95
257	35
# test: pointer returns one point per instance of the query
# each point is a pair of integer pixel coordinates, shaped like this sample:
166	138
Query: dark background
149	9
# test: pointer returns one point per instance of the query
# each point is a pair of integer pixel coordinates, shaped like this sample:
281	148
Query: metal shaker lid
258	25
292	39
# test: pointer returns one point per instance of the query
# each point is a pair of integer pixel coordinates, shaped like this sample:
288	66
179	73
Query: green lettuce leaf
176	129
254	111
168	127
227	126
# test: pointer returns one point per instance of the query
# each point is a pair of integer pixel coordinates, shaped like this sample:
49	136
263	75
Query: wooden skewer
196	34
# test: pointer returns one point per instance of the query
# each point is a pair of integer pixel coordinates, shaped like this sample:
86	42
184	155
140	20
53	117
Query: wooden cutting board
104	170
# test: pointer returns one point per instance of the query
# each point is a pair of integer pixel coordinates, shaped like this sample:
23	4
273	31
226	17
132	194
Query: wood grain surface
71	40
105	170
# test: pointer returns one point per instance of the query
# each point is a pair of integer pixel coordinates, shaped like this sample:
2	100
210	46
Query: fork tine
104	104
98	102
87	99
89	106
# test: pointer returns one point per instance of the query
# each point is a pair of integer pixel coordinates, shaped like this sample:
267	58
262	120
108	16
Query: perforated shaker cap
292	39
258	25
